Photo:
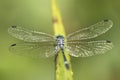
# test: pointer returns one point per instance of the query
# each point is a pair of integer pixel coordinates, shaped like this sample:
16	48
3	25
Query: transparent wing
86	49
29	35
92	31
35	50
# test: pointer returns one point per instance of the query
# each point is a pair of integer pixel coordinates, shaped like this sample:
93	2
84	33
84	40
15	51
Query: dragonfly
79	44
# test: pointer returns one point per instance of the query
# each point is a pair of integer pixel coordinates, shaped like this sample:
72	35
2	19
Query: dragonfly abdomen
65	60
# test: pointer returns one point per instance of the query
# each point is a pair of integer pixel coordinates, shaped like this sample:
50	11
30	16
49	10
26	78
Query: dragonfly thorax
60	41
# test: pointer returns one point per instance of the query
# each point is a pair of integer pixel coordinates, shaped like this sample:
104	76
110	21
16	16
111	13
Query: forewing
28	35
86	49
35	50
92	31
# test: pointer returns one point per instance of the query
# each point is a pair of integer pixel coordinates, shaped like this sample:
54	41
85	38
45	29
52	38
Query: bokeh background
36	14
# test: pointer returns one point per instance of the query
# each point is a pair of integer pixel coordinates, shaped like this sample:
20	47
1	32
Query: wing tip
13	45
108	41
110	44
108	21
13	26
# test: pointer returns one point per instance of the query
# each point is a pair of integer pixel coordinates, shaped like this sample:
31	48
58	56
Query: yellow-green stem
61	72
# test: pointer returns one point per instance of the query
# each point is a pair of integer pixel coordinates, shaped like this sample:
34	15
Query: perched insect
38	44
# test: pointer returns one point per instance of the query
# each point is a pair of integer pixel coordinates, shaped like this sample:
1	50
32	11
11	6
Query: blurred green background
36	14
